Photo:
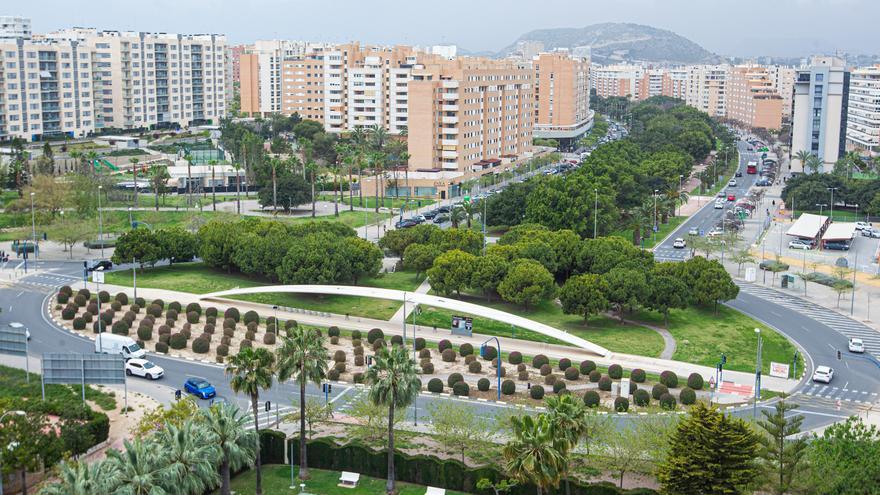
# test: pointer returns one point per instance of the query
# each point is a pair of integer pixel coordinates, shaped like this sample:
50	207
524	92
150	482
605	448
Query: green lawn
664	229
197	279
839	215
276	480
148	200
370	201
14	386
353	219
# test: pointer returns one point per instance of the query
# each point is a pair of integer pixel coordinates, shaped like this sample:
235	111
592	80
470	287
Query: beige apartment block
706	88
562	98
651	83
782	79
752	99
249	84
863	117
616	80
675	83
302	85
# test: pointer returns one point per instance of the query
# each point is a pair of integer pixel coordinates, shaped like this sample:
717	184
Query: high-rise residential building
12	27
819	119
863	119
249	84
706	88
751	98
675	83
260	75
302	84
651	83
527	49
562	98
616	80
235	53
782	80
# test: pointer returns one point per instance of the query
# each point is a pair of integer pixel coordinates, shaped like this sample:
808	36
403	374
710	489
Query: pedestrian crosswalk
846	326
48	280
671	254
832	393
272	417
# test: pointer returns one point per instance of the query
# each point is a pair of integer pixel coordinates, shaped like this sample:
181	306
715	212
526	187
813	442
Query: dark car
441	218
837	246
442	209
738	173
430	214
102	264
199	387
405	224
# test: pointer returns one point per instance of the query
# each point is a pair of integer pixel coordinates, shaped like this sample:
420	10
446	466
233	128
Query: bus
752	168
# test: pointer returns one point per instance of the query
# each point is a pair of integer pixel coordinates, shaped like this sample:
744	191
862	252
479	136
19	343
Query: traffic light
268	406
838	355
723	358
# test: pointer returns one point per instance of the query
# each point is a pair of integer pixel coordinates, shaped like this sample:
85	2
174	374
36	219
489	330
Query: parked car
102	264
837	246
800	244
429	215
694	231
715	232
863	226
199	387
762	182
731	197
872	233
719	205
442	209
856	345
143	368
405	224
679	243
823	374
441	219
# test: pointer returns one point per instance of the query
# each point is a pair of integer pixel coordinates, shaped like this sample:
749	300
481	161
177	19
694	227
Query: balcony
449	142
450	96
450	120
449	154
448	130
450	84
449	108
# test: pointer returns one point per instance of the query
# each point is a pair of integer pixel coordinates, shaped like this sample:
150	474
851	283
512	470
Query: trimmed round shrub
378	344
641	397
358	351
192	317
155	310
359	360
540	360
170	322
621	404
632	387
523	375
615	371
427	368
134	308
502	371
107	317
695	381
79	323
250	335
92	307
333	340
508	387
211	320
85	293
62	297
658	390
595	375
591	398
396	340
68	313
340	367
545	369
461	389
162	347
549	379
228	323
605	383
211	311
332	331
435	385
88	317
687	396
356	343
122	297
469	359
465	349
558	387
171	314
245	344
271	324
252	327
290	324
140	301
165	338
104	296
521	367
194	306
164	330
251	317
375	334
356	335
489	352
586	367
669	378
448	356
475	367
572	373
667	401
228	332
66	289
514	357
209	328
483	384
425	353
333	374
201	346
116	306
443	345
176	306
223	350
536	392
145	333
454	378
637	375
564	364
80	300
269	338
232	313
177	341
420	344
339	356
120	328
358	377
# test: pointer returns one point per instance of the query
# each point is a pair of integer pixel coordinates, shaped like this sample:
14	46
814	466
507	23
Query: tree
584	295
713	285
176	244
458	427
226	428
499	488
566	414
781	449
845	459
709	452
451	272
316	412
627	288
456	215
534	454
394	383
139	469
158	177
50	195
667	293
70	232
364	258
303	358
527	283
419	257
841	287
176	415
252	370
625	450
190	458
217	243
487	273
741	257
28	441
141	245
81	478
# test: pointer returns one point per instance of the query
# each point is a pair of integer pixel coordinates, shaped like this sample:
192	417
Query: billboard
462	325
779	370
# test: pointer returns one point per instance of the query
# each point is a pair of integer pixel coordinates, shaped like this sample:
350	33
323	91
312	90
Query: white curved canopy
427	300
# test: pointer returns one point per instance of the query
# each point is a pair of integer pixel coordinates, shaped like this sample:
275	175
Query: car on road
731	183
15	324
102	264
143	368
872	233
429	215
762	183
441	219
731	197
443	209
405	224
678	243
823	374
719	204
856	345
715	232
800	244
694	231
199	387
863	226
837	246
738	173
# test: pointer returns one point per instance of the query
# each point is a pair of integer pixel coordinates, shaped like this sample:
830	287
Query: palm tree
359	139
140	469
213	164
226	428
456	215
190	457
251	370
677	196
567	417
469	208
158	176
640	218
274	162
535	454
802	156
134	172
82	478
91	158
377	163
394	383
303	358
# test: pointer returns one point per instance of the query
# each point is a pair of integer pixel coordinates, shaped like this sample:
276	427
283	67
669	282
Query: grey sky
727	27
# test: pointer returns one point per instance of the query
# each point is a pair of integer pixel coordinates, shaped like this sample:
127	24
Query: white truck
109	343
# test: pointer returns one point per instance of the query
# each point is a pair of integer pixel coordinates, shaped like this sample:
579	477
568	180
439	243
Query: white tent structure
808	226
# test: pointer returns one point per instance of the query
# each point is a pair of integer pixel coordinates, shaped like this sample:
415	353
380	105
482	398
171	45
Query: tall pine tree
782	454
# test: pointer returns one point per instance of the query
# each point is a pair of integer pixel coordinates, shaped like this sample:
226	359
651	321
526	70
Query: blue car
200	388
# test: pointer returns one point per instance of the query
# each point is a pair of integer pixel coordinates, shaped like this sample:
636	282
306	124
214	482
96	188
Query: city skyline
747	29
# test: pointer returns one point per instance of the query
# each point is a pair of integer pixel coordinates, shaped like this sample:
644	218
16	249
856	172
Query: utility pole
832	189
757	374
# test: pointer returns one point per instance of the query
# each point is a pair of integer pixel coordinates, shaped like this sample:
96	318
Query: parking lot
861	252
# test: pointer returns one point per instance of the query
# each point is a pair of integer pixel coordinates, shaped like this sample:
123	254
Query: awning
808	226
840	231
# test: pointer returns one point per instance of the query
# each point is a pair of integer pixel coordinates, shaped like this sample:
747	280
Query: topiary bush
378	344
228	332
232	313
572	373
375	334
104	296
333	331
549	379
201	346
80	300
637	375
621	404
223	350
475	367
420	344
115	306
540	360
545	369
667	401
461	389
605	383
470	359
340	367
559	387
448	356
454	378
120	328
489	352
176	306
483	384
164	330
641	397
358	377
177	341
269	338
162	347
356	335
62	297
594	376
134	308
615	371
508	387
427	368
79	323
140	301
171	314
154	310
465	349
250	335
591	398
228	323
164	338
536	392
333	375
290	324
68	313
587	367
85	293
658	390
252	327
523	375
443	345
87	316
145	333
194	306
245	344
687	396
91	308
425	353
435	385
66	289
209	328
564	364
695	381
515	357
339	356
396	340
669	378
192	317
521	367
358	351
122	297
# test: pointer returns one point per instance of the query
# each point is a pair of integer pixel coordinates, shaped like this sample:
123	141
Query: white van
109	343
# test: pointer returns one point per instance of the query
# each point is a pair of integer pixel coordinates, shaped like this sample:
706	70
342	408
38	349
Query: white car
694	231
678	243
16	324
823	374
863	226
732	183
719	205
856	345
143	368
799	244
871	232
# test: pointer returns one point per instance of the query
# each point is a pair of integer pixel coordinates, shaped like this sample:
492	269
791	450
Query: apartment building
562	98
46	89
302	84
12	27
706	88
675	83
616	80
260	76
819	118
651	83
863	119
782	81
527	49
751	98
235	53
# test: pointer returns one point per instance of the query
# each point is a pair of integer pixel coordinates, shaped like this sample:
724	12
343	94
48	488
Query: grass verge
276	479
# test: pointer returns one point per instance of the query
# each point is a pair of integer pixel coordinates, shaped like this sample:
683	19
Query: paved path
405	310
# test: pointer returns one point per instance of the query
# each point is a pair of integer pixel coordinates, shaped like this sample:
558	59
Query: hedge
615	371
272	446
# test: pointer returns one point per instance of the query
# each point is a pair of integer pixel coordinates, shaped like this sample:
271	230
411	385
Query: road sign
779	370
68	368
462	325
13	339
98	277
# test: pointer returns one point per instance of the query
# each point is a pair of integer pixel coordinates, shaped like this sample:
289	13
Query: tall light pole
34	227
821	206
100	221
596	214
14	413
130	222
757	374
655	215
832	189
680	182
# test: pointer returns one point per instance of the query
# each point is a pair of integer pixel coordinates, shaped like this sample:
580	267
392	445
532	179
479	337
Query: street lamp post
757	373
497	356
34	227
100	221
130	220
821	206
655	215
596	214
832	189
680	182
15	413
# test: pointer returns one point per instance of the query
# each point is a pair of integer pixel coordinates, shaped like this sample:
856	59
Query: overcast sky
726	27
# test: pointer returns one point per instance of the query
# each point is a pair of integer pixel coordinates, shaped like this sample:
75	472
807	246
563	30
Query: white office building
863	119
821	98
12	27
